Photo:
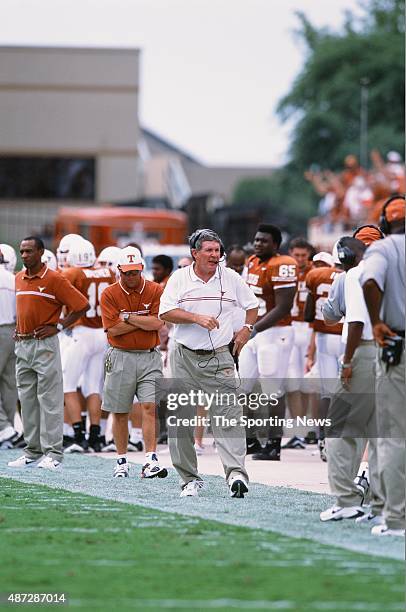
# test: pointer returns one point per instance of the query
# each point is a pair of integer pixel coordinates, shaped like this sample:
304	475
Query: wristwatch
59	327
345	366
126	318
249	326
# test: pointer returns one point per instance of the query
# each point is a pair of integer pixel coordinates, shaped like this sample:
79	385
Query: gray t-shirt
385	264
334	307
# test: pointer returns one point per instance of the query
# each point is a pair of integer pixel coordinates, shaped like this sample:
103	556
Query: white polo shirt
7	297
356	308
223	293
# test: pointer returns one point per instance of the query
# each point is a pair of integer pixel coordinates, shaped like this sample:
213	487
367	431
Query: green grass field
104	554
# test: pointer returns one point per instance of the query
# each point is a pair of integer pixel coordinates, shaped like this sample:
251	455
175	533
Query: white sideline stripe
48	295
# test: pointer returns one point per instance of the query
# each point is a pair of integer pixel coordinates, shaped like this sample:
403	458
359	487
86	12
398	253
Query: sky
212	71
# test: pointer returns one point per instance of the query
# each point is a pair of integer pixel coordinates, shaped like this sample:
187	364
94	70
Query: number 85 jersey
91	282
265	277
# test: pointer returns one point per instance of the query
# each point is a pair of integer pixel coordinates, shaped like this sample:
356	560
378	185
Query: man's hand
207	322
310	361
45	331
380	330
240	339
346	376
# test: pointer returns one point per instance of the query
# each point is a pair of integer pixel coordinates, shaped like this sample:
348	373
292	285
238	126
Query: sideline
283	510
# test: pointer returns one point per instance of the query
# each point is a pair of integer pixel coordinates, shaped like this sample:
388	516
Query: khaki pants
209	374
353	412
40	390
391	401
8	389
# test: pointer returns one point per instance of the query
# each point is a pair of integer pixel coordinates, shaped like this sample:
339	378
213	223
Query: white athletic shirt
219	297
7	297
356	308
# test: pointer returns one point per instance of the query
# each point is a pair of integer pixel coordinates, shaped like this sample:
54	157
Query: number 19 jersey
266	277
91	282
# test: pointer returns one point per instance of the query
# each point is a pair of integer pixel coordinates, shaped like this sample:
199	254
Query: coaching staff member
130	317
40	295
200	300
383	280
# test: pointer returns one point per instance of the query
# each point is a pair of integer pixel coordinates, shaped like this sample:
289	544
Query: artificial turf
104	554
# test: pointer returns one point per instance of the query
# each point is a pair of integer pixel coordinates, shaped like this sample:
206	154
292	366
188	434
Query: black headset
196	235
345	254
383	222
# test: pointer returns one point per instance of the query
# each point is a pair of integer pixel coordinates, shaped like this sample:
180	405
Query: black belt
220	349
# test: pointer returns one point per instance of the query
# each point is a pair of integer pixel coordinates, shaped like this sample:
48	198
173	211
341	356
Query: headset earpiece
345	254
383	222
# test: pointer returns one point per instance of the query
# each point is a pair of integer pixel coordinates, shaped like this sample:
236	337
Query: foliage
326	96
325	103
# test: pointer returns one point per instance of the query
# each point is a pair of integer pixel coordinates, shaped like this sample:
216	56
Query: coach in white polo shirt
200	300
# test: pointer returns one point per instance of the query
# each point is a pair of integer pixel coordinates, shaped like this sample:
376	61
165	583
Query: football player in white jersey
85	356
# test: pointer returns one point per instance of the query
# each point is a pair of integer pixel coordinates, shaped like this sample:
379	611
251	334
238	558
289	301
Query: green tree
324	104
326	96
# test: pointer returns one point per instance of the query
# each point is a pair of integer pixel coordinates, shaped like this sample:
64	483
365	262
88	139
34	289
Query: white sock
136	434
68	430
121	457
103	425
148	456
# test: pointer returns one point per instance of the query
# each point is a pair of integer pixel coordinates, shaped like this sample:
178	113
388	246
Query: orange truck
114	225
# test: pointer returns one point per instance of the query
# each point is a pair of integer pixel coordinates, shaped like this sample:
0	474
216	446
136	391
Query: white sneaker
383	530
192	488
335	513
199	448
47	463
109	448
237	486
6	434
23	462
152	469
370	519
122	470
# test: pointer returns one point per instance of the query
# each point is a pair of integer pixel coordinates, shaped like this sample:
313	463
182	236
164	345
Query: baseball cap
130	259
325	257
395	210
368	234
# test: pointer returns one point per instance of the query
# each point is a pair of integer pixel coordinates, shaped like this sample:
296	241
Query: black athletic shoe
163	438
270	452
95	440
253	446
67	441
295	442
96	444
311	437
77	446
19	442
135	446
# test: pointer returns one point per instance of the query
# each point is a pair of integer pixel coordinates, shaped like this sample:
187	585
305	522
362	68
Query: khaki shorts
130	373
